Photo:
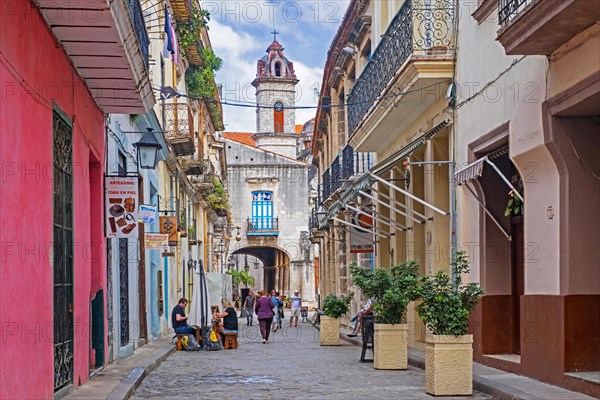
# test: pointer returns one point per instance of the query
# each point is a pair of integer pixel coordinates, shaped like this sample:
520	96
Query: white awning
470	172
475	170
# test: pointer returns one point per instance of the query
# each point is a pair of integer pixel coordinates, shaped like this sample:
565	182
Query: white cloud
240	52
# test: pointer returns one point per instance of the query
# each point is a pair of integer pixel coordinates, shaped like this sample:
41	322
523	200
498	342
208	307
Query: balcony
262	226
406	74
355	163
192	165
182	9
539	27
180	128
107	42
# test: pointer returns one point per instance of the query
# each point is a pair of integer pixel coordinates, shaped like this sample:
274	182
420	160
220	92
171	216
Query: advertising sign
361	240
156	241
147	214
168	225
121	206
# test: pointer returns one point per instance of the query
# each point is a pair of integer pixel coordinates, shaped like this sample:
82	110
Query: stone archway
275	267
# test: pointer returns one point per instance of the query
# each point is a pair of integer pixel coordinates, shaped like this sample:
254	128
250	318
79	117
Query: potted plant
391	291
333	308
446	304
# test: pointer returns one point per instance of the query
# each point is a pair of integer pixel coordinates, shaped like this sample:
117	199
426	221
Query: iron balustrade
509	9
336	173
262	224
326	183
419	26
355	163
139	26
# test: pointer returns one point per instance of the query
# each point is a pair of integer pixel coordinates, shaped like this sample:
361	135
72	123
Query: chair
367	330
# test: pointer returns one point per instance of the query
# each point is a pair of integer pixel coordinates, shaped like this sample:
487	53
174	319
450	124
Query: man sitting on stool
179	320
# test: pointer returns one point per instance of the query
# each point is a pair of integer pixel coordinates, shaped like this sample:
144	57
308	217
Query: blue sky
240	32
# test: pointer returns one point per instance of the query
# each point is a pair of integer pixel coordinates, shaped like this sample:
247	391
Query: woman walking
264	312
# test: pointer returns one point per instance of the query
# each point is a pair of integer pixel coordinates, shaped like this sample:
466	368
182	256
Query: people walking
276	323
264	312
249	306
296	305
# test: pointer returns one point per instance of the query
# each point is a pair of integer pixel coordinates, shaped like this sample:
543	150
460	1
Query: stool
231	340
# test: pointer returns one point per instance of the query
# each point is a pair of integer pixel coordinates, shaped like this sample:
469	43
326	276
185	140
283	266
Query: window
278	115
262	210
277	69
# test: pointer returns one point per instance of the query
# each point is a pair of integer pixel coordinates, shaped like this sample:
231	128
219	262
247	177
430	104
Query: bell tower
275	85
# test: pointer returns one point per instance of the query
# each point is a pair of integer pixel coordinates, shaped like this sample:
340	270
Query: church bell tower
275	85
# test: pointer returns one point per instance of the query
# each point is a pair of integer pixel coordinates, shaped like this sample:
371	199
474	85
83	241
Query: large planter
329	331
449	365
390	346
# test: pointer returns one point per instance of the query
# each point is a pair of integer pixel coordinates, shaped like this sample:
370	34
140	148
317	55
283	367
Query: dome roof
275	64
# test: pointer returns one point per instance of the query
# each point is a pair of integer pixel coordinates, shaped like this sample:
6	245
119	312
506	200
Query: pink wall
35	72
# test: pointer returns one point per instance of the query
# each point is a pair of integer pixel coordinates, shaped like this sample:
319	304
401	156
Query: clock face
278	106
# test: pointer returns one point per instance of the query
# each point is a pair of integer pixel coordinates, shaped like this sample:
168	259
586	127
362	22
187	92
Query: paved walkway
291	365
293	360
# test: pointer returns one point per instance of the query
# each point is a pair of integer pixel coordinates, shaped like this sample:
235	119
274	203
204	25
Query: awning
470	172
475	170
381	168
389	163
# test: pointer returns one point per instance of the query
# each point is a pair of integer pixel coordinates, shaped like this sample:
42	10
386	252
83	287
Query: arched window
277	69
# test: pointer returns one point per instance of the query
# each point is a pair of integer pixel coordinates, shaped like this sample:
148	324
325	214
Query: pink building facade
52	146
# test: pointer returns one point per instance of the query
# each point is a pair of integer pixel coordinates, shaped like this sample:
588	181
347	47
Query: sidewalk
494	382
118	380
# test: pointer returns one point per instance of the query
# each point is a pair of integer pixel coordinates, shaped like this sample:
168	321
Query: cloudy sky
240	32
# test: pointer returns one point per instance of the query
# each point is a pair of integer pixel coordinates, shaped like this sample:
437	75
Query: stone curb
127	386
495	389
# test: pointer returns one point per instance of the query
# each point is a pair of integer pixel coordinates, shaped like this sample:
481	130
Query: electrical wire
248	104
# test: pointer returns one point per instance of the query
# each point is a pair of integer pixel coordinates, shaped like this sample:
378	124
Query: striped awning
470	172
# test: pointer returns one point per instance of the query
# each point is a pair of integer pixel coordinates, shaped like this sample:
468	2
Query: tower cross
274	34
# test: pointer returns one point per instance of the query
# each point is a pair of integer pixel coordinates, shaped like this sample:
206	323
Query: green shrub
335	307
390	290
446	306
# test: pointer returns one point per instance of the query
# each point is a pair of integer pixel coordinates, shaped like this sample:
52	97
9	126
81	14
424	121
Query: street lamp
321	214
256	264
147	150
238	237
221	248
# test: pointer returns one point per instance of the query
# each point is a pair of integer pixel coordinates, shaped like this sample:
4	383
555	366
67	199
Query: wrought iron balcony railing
327	183
336	173
180	128
355	163
509	9
262	226
420	27
139	26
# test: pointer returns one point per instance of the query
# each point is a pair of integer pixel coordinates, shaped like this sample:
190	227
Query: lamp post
321	214
147	150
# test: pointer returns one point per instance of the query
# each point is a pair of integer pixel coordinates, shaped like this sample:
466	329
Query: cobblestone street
292	364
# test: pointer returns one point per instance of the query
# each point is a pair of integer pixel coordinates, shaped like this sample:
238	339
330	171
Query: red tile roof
240	137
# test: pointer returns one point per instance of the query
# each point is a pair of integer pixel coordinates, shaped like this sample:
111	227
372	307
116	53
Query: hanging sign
121	206
361	240
156	241
147	214
168	225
